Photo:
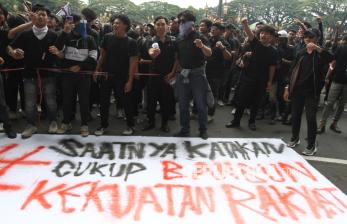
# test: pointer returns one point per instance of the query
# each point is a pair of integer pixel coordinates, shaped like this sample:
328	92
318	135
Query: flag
65	10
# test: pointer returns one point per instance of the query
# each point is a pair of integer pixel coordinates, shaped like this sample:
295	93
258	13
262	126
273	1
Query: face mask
184	27
81	28
40	33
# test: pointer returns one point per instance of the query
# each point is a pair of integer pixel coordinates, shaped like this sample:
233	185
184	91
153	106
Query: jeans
338	92
3	108
48	88
117	84
215	84
70	84
196	87
301	99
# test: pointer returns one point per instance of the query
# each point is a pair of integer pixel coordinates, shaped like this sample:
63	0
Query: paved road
331	145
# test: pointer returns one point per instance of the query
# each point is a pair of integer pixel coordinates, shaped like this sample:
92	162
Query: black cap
311	33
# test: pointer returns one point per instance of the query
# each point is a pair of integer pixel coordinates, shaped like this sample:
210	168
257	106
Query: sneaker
120	114
128	131
335	129
293	142
165	128
203	135
220	103
9	132
182	134
321	129
233	111
64	128
210	119
53	127
310	150
29	131
84	131
252	126
100	131
233	124
12	115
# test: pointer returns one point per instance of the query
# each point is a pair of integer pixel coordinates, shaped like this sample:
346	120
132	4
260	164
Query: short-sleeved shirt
118	51
3	42
340	71
216	64
164	63
36	53
262	58
189	55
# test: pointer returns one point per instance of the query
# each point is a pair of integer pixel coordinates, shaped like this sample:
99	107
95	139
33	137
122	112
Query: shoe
64	128
210	119
321	129
310	150
9	132
252	126
13	115
53	128
29	131
203	135
182	134
293	142
1	127
165	128
335	129
232	124
84	131
100	131
120	114
221	103
148	126
128	131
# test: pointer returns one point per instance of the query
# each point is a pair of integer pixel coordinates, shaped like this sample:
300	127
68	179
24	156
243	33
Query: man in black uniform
162	49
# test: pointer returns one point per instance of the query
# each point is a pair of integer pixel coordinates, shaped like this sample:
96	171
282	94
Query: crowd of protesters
52	64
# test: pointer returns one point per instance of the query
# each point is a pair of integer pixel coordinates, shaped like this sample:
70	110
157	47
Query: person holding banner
79	54
33	46
119	58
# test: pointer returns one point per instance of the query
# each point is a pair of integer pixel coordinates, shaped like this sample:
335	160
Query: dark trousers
117	84
3	108
72	84
14	83
215	84
302	99
159	90
138	86
249	95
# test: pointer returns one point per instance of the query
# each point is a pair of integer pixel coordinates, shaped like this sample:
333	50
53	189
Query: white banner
112	179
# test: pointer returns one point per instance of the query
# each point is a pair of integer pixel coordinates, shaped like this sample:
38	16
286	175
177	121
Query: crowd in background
179	66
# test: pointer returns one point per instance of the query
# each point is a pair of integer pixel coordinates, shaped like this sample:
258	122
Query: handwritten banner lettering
111	179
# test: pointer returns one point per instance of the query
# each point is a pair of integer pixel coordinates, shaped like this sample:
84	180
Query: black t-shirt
117	54
262	58
36	54
340	71
215	63
143	53
164	63
188	54
3	42
305	77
